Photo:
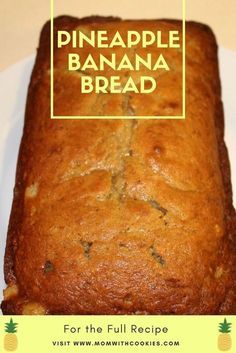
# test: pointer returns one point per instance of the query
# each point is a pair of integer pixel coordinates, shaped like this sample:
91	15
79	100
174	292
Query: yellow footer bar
71	334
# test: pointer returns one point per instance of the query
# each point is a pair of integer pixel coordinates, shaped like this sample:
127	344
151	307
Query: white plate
13	90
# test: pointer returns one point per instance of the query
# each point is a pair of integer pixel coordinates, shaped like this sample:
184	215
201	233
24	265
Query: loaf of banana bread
124	216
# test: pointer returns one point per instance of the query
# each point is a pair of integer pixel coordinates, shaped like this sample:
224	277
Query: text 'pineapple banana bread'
123	216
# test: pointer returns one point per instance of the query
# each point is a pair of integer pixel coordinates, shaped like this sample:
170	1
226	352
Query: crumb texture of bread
123	216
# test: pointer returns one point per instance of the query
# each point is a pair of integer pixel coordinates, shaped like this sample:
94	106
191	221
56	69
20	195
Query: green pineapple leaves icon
225	327
11	327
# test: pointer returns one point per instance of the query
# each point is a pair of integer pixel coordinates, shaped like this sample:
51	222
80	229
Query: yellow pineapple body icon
10	339
224	338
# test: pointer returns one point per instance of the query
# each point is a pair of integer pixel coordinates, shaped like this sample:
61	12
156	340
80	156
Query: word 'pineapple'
224	339
10	339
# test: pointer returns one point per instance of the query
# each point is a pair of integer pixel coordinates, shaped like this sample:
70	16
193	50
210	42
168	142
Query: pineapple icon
224	339
10	339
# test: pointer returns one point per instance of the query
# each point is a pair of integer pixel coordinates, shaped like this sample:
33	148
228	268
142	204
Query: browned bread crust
123	216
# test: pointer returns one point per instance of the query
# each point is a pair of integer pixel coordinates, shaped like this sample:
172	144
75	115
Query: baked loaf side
123	216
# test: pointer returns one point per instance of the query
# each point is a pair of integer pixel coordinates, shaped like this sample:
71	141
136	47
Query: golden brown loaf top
123	216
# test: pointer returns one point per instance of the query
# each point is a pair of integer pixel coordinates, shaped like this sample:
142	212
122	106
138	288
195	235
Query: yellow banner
70	334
